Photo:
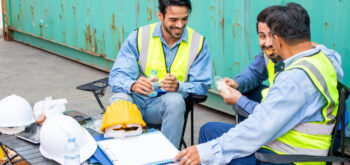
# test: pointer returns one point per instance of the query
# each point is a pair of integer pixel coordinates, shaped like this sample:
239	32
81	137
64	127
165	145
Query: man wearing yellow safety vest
171	52
249	82
297	114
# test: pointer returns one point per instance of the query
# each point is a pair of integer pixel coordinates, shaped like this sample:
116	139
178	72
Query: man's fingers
147	83
170	87
230	89
183	160
169	81
188	161
144	86
146	89
179	155
170	77
141	89
226	80
222	94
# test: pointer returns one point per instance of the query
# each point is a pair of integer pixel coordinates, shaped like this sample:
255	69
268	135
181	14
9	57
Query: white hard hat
15	113
54	134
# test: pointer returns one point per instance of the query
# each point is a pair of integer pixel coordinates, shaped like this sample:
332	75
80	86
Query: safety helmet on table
54	134
122	118
15	114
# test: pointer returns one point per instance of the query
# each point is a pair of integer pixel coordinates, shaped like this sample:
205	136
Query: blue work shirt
292	100
125	70
256	73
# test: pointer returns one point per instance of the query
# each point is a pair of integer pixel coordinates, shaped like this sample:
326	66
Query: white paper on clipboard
149	148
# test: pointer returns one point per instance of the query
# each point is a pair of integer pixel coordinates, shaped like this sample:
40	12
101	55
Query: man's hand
188	156
232	97
170	83
142	86
231	83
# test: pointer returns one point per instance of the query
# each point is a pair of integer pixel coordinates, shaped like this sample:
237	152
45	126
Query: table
30	152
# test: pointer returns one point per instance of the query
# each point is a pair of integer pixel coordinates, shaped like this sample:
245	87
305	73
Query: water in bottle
155	82
220	84
71	152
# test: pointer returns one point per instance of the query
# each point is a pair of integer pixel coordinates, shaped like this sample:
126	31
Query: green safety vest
271	75
152	55
312	138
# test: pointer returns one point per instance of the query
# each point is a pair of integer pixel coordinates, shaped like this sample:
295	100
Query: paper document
148	148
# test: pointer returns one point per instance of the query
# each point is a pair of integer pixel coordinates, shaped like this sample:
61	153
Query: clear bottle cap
154	72
71	139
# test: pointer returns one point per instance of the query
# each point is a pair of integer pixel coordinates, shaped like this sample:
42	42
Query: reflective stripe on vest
152	55
270	66
313	138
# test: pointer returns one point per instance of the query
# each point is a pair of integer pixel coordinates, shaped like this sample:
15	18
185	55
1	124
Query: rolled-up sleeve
285	106
252	76
125	70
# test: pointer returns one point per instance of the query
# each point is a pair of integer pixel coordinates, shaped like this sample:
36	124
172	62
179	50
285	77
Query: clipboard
148	148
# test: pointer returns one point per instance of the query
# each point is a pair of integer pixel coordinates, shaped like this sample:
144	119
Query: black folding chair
98	88
332	157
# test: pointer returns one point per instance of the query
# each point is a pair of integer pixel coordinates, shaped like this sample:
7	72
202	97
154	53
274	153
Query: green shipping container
92	32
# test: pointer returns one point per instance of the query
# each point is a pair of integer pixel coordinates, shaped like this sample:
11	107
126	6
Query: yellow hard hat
121	113
2	154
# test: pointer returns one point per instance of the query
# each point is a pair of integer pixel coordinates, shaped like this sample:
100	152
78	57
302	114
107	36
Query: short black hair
163	4
290	22
263	14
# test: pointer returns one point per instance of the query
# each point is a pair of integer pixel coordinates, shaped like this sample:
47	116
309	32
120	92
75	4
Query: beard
176	35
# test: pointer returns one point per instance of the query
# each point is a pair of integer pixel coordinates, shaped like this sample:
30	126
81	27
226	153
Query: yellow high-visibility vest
152	55
270	66
313	138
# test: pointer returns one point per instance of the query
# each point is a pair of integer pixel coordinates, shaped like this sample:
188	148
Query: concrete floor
35	74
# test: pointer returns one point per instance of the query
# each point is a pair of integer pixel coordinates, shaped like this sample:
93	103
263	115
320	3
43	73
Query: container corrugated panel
92	32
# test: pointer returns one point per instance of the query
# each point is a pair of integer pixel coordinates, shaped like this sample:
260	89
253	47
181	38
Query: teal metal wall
92	32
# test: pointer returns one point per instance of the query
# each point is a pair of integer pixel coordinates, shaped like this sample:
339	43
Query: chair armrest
276	158
240	111
195	99
98	86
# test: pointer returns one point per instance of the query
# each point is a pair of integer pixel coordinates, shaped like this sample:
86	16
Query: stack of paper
149	148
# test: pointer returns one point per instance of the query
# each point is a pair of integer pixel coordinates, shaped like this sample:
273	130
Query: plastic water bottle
220	84
71	152
153	76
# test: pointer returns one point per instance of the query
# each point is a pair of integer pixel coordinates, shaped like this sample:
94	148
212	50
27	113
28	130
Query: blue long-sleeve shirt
256	73
293	99
125	70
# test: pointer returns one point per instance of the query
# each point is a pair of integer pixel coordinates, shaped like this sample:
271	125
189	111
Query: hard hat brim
85	152
12	130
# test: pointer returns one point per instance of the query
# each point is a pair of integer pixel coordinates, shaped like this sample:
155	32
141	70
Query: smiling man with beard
297	115
264	67
177	54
